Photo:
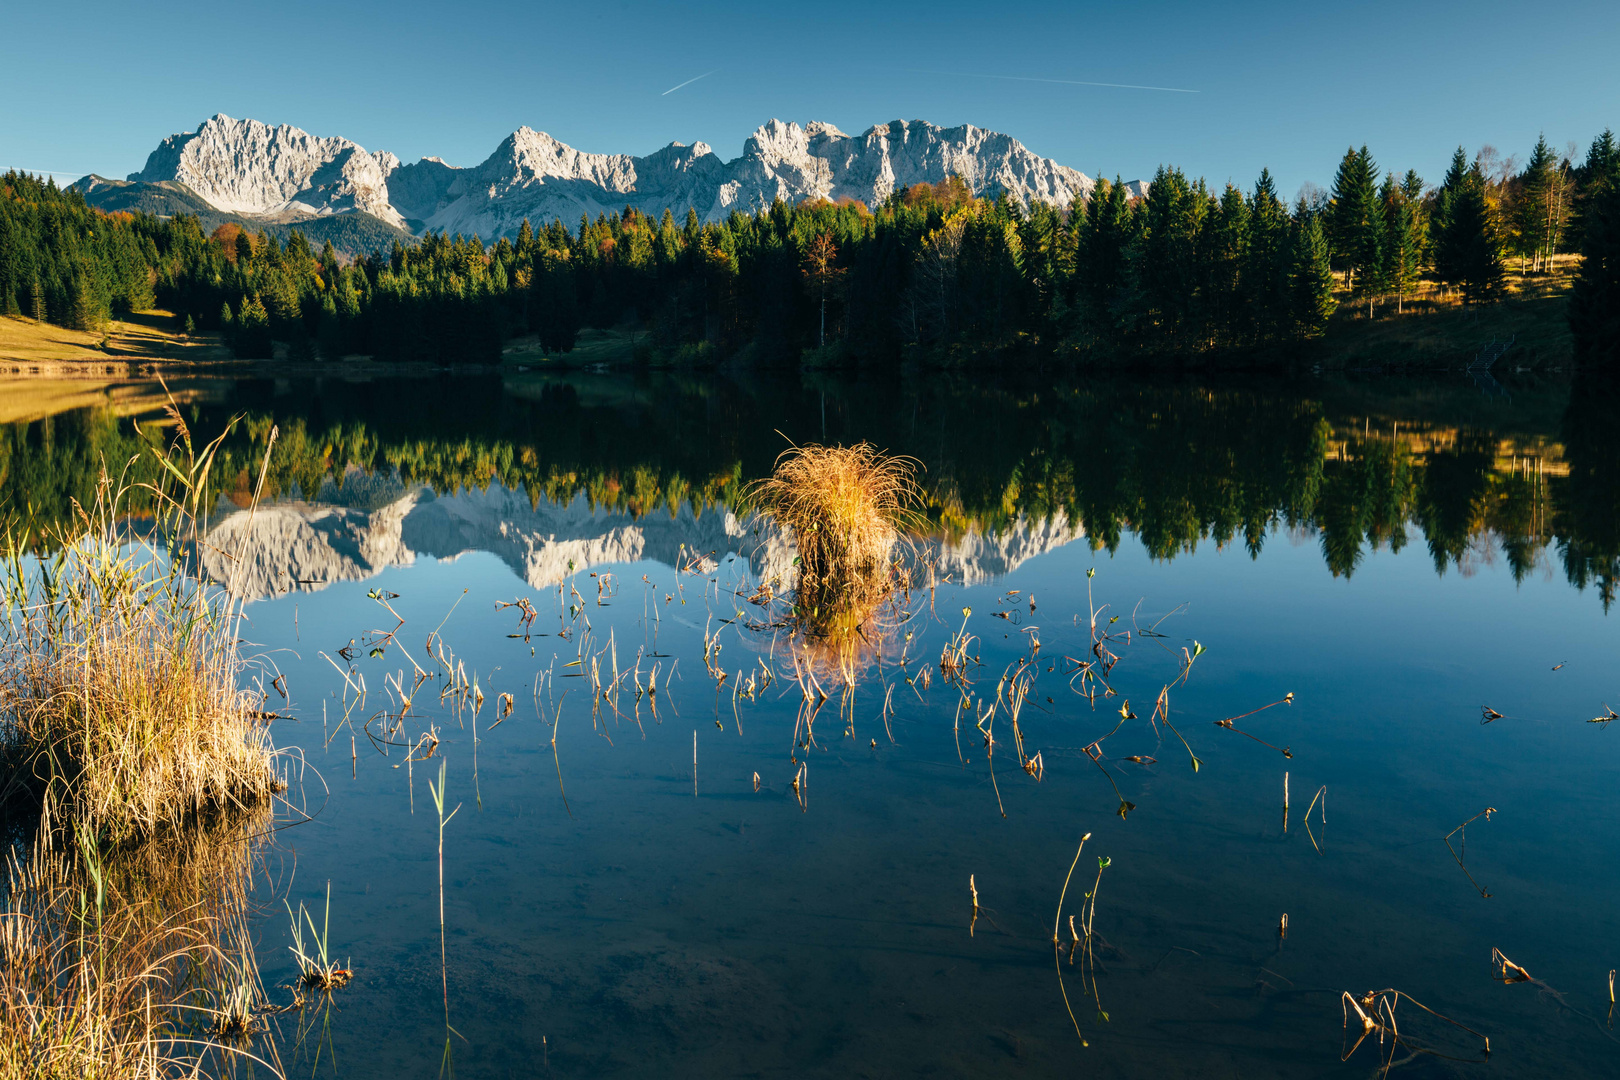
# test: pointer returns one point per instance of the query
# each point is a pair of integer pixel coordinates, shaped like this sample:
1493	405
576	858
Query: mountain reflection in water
548	470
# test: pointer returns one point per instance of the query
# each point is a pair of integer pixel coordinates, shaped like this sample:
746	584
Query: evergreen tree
1267	269
1355	224
1445	253
1596	174
556	303
251	336
1100	256
1533	207
1403	249
1467	234
1312	280
1474	241
1228	252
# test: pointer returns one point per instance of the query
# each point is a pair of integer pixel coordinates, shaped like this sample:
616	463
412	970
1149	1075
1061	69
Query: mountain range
280	175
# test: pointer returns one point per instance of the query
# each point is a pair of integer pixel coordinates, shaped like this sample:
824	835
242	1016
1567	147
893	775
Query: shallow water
1395	555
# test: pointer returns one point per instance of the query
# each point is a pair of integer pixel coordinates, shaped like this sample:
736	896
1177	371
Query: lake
1275	642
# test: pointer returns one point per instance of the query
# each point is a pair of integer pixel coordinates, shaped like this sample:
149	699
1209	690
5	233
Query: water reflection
548	471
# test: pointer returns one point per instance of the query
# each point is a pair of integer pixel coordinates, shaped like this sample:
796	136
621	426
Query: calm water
1395	555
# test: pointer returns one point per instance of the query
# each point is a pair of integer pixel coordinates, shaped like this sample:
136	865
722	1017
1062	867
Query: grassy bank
1434	328
131	751
144	335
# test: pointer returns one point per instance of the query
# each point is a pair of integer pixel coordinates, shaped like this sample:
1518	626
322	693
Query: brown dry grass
1438	329
845	507
129	965
121	704
143	335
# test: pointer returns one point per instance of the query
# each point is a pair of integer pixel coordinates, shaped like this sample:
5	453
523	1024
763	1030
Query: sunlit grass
121	705
135	964
845	507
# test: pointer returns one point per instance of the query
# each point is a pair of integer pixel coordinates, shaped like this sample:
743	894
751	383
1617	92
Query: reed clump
130	964
846	507
122	709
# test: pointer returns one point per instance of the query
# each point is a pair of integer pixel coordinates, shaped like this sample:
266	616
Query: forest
934	274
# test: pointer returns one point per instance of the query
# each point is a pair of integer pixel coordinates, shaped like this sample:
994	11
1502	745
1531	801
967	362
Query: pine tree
1473	241
251	339
1227	256
87	312
1354	224
1312	280
36	301
556	303
1267	270
1467	236
1100	253
1403	251
1595	174
1533	207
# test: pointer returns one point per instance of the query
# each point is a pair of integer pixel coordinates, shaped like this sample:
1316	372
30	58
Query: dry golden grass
130	965
121	707
1437	328
144	335
845	507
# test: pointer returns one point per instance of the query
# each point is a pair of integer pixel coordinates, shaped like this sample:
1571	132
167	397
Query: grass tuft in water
846	506
121	704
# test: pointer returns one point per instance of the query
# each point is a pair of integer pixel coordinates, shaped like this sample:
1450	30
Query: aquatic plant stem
444	975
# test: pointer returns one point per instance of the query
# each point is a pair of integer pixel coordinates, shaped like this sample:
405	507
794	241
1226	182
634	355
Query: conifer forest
933	274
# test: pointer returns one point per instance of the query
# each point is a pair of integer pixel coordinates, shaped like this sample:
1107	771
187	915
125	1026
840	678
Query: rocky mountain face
245	167
533	176
256	170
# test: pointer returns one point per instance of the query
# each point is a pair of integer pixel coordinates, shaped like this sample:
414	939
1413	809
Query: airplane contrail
1061	82
688	82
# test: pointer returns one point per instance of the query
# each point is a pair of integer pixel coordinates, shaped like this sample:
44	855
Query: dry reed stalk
1375	1011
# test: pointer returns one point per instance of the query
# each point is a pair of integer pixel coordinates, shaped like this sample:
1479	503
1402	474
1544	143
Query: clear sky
94	85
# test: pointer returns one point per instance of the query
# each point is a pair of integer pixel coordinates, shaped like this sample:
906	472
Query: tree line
933	272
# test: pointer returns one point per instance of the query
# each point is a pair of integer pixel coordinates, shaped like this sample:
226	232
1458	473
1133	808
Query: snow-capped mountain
256	170
532	175
245	167
310	546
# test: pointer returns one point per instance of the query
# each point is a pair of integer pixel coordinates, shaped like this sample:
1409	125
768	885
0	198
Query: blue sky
93	86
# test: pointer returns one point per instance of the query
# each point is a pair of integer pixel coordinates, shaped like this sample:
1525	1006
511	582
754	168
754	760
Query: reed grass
135	964
845	506
122	704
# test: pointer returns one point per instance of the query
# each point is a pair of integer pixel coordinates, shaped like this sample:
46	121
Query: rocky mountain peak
259	170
